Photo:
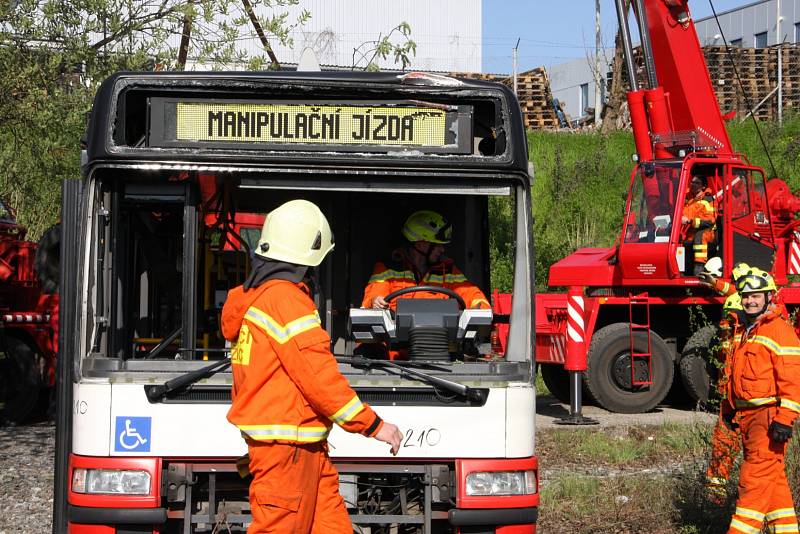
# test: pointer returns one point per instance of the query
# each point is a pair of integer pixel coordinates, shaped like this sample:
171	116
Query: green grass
634	479
581	181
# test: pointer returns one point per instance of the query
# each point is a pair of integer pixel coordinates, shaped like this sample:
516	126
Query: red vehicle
637	307
29	318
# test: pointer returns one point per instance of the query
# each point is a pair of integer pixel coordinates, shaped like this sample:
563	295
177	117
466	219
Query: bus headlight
111	481
490	483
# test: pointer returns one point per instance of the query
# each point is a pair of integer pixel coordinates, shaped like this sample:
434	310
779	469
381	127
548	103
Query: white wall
447	32
746	21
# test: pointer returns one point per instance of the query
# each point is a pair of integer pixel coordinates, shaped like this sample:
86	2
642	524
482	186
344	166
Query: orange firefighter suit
287	392
399	273
764	387
702	217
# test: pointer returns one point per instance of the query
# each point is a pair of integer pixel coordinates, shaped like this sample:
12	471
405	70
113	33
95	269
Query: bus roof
343	119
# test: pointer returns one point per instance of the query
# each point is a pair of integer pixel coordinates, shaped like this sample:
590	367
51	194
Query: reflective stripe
348	411
780	513
281	333
478	301
716	481
750	403
301	434
389	273
791	405
744	527
779	529
446	279
780	350
749	514
725	287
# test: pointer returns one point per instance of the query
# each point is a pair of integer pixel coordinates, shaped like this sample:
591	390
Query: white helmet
714	266
296	232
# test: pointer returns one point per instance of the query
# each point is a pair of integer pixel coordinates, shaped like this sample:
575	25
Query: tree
54	53
617	97
399	46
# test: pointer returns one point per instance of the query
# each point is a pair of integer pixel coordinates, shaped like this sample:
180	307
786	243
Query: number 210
429	437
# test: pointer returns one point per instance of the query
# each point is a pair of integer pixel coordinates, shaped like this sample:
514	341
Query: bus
178	172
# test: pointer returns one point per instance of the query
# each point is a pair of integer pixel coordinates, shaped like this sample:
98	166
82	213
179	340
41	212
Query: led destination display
325	126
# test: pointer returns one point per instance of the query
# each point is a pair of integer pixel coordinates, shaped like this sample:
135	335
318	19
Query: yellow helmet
755	281
296	232
733	303
428	226
739	270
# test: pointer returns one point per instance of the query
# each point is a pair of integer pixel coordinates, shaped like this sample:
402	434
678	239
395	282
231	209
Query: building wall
749	20
447	32
566	81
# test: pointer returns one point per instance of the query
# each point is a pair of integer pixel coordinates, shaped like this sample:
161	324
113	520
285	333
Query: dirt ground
550	412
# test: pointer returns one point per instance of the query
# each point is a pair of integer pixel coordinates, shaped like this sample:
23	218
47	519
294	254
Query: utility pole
598	75
779	42
514	58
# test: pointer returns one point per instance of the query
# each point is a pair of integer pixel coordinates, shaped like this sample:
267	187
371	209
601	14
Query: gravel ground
550	411
26	478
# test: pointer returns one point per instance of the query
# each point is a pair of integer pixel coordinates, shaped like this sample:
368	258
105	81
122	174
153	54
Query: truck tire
608	377
48	259
557	381
698	371
23	380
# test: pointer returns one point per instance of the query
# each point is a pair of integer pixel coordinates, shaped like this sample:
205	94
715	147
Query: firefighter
421	262
287	389
699	219
764	389
725	438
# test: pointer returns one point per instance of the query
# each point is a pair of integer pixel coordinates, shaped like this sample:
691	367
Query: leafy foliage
53	55
397	43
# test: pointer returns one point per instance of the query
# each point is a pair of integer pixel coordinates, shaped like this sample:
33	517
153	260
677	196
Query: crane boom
681	111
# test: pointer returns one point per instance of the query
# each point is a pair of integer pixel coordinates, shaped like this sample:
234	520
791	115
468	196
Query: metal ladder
642	300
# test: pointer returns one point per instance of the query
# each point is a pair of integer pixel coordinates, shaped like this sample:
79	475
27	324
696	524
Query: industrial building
753	25
342	40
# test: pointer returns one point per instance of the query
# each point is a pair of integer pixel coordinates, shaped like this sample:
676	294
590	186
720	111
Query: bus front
179	173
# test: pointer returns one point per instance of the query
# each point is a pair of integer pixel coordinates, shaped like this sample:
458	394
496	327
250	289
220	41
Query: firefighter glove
727	418
779	432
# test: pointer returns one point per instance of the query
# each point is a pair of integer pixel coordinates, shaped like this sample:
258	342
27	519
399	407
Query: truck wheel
23	380
608	377
698	370
48	258
557	381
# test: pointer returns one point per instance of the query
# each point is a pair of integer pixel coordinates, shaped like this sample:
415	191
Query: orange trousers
295	490
726	443
764	494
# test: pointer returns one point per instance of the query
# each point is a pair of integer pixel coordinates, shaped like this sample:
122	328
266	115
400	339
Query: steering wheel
432	289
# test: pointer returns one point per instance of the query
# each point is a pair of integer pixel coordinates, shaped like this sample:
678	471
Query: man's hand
379	303
685	219
390	434
706	278
779	432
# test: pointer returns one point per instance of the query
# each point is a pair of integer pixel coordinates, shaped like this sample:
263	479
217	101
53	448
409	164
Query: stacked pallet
535	99
757	70
533	93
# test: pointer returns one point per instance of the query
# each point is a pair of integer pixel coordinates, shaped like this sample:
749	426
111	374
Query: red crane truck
636	307
28	319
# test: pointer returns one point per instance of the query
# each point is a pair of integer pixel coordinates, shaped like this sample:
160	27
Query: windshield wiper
402	370
156	393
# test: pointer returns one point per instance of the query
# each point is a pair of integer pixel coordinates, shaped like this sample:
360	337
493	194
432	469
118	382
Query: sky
552	32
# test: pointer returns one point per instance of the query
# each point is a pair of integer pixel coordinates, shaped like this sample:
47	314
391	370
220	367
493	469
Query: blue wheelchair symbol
132	433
